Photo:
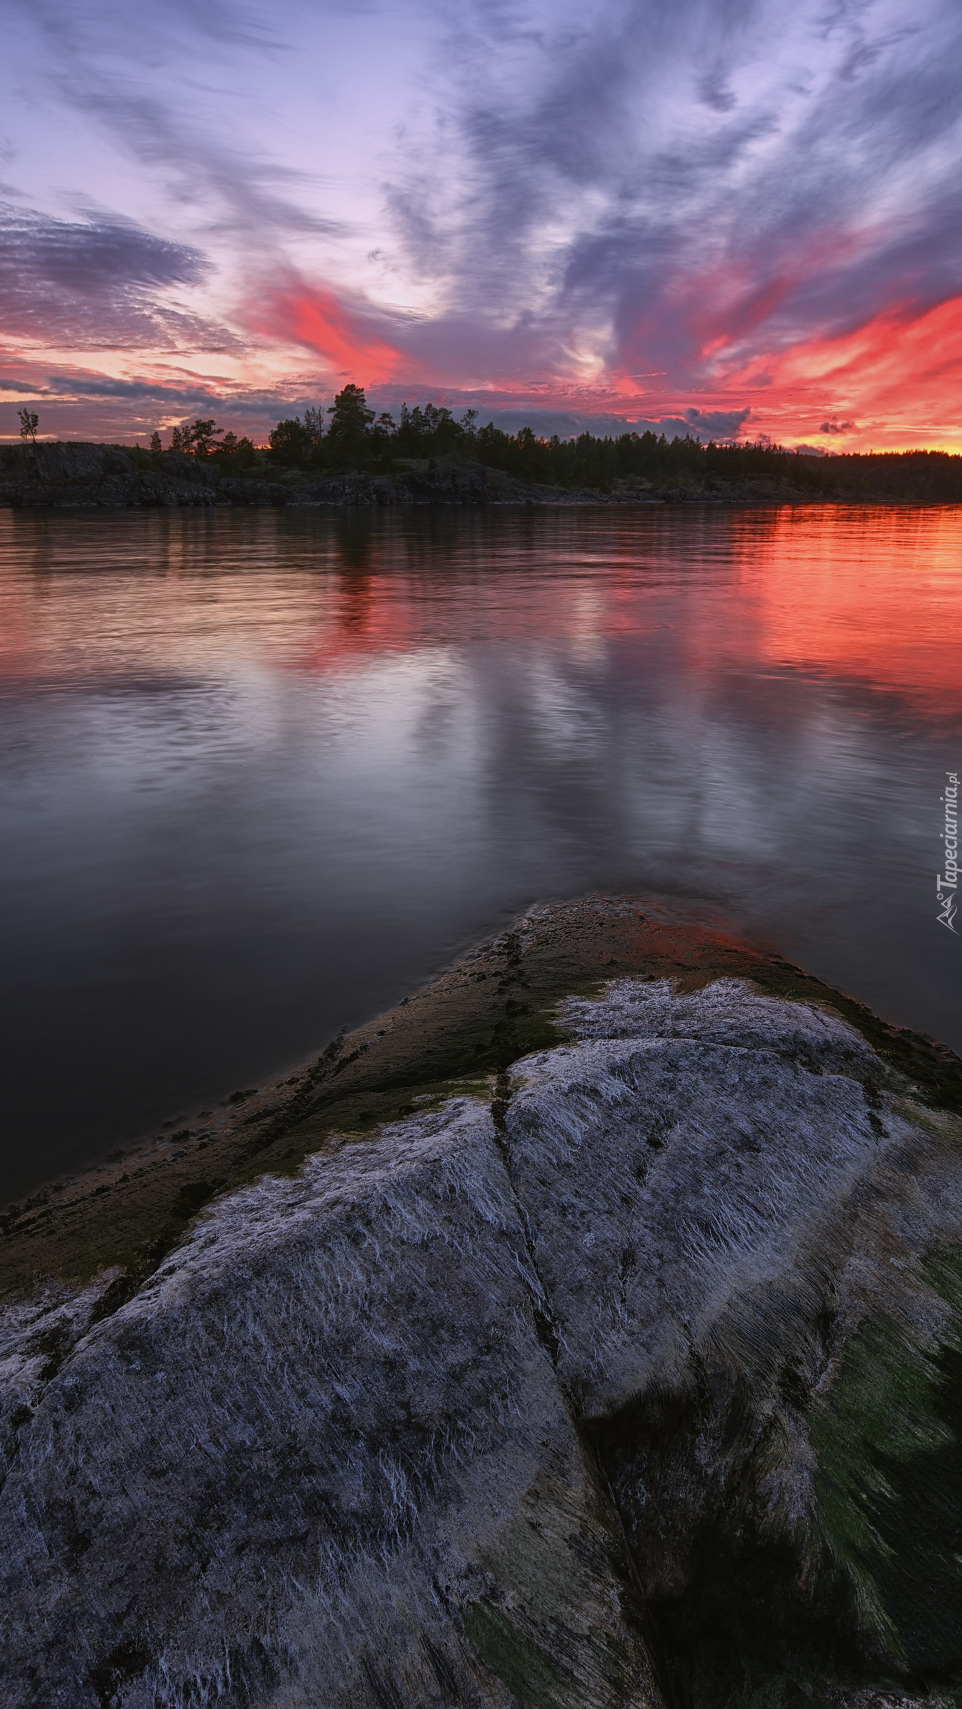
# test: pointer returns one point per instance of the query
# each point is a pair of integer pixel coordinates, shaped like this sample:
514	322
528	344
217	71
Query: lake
262	772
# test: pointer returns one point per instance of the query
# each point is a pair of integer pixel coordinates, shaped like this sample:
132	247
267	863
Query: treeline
350	435
916	477
356	437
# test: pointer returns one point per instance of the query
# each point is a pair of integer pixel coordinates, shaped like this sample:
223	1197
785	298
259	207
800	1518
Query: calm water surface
261	773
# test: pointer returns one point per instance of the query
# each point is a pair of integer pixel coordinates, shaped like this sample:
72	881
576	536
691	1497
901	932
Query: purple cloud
611	210
96	284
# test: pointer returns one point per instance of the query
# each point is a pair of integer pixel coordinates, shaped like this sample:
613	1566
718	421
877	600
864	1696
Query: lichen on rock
635	1382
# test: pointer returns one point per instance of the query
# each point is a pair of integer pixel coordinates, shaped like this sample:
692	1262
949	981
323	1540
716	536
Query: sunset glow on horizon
737	220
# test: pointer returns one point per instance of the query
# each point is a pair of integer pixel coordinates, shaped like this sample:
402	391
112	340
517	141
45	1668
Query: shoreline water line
456	1034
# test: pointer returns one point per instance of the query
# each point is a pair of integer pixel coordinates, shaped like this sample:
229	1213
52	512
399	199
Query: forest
351	435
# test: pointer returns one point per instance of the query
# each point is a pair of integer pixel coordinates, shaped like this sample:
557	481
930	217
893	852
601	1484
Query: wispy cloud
699	424
631	209
351	339
683	179
167	85
97	284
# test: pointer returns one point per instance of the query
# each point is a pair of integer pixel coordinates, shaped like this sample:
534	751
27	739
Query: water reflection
261	772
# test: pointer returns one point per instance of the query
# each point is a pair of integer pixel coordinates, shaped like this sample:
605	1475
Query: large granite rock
634	1381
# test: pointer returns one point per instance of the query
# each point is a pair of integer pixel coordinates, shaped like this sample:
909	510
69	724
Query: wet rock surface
628	1374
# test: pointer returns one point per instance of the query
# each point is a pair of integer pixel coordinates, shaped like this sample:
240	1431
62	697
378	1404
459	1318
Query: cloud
353	341
717	423
679	187
631	212
237	193
154	89
86	258
902	364
78	404
92	386
698	424
96	284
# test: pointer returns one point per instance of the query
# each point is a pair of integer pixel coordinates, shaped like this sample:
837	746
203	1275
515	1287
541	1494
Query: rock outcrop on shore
72	476
628	1375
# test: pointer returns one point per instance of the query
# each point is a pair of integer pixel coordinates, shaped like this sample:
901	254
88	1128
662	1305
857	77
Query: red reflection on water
870	595
855	593
858	594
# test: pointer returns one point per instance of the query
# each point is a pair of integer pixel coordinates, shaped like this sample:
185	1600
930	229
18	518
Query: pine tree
290	441
199	437
349	435
314	424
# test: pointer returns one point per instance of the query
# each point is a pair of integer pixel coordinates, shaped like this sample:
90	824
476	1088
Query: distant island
429	458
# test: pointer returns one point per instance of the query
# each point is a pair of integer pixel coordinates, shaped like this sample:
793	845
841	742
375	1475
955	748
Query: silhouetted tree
314	425
199	436
29	422
290	441
383	434
296	442
155	445
234	455
348	439
429	431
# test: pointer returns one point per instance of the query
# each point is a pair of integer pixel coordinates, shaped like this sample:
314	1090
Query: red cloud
700	316
898	373
312	315
902	368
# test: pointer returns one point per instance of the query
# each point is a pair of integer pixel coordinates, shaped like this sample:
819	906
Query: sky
731	217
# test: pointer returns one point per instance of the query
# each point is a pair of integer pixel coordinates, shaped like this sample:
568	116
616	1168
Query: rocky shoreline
586	1331
74	476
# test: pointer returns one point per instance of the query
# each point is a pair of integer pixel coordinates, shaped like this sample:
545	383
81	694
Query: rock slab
634	1382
